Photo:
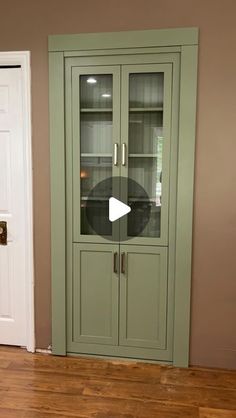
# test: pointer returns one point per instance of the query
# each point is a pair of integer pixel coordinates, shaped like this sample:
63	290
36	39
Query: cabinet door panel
143	297
96	132
146	132
95	294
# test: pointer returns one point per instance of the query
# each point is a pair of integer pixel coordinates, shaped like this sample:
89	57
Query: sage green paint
187	122
149	68
100	316
69	201
75	315
125	59
143	297
57	164
173	202
95	294
77	66
123	51
76	72
125	39
120	351
179	256
96	297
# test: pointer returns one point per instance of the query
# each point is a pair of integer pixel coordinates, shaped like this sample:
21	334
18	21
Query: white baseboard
44	350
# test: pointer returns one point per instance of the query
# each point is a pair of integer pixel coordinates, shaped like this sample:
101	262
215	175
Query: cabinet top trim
125	39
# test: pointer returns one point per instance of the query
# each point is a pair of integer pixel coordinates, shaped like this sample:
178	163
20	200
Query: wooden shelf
98	155
131	109
140	199
146	109
143	155
95	110
104	199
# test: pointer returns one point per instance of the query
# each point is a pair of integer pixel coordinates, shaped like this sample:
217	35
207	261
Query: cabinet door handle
115	262
123	160
115	157
123	263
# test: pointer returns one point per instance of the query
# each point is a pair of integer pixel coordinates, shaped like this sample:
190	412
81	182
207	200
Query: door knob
3	233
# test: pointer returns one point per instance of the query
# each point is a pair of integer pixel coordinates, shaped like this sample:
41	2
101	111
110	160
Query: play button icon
117	209
104	206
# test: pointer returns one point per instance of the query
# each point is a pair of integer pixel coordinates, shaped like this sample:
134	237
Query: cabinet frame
185	42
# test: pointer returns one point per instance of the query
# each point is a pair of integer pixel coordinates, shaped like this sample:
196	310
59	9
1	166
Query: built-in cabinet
121	129
121	124
123	114
119	300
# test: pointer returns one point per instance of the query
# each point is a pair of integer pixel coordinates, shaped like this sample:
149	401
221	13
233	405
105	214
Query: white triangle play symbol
117	209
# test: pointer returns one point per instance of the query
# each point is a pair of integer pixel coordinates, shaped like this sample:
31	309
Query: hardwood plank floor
216	413
37	385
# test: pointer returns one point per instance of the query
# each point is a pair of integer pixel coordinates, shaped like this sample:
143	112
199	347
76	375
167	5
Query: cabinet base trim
120	358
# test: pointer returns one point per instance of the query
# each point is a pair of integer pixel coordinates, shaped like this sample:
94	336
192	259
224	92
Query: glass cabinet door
95	131
146	114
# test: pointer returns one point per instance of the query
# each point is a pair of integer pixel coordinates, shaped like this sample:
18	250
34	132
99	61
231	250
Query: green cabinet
118	301
143	297
96	130
146	107
94	303
122	106
121	126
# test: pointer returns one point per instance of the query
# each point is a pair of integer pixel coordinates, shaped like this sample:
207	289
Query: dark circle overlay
97	209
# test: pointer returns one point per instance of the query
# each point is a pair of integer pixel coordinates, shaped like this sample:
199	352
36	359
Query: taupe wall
26	24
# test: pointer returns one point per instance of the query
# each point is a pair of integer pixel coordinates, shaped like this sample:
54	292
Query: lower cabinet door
94	294
143	297
118	302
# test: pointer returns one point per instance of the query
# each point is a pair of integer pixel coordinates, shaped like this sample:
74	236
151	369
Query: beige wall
26	24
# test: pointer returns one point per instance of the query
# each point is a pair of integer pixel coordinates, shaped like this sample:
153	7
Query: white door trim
22	58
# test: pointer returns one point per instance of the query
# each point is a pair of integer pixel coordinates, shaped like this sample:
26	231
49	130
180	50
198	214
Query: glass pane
98	215
146	150
146	90
145	132
94	170
96	123
96	133
147	172
96	91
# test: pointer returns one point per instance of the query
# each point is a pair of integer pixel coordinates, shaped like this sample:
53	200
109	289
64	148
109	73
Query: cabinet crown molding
123	39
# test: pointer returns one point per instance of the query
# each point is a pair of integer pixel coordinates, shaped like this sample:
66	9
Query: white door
13	321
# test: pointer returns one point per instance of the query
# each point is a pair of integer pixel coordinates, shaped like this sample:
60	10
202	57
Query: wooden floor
43	386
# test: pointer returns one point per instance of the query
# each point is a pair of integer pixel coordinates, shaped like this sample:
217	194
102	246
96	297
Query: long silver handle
115	154
123	160
123	263
115	262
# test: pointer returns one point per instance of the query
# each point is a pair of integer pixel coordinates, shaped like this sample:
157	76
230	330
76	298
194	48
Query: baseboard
44	350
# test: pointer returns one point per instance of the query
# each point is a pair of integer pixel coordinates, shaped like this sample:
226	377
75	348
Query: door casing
61	47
